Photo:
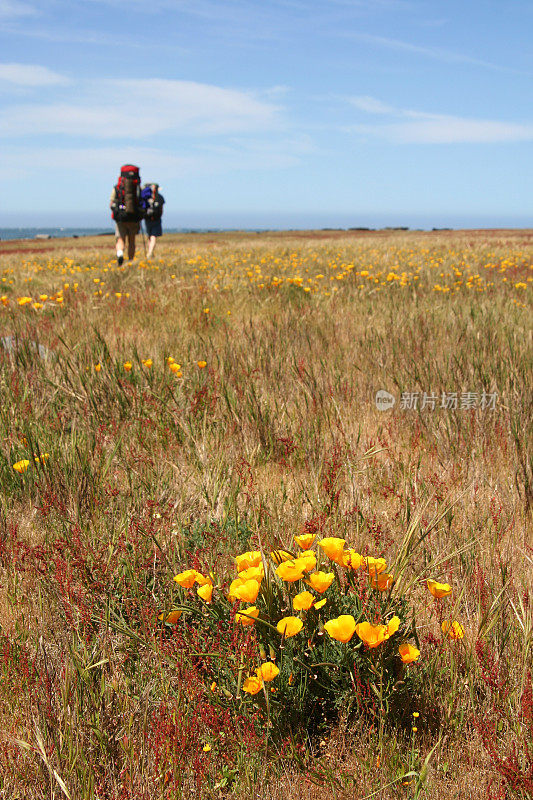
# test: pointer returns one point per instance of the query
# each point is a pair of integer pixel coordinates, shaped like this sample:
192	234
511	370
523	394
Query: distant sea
57	233
368	222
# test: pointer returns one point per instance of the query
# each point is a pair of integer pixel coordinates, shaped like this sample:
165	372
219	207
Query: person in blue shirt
152	202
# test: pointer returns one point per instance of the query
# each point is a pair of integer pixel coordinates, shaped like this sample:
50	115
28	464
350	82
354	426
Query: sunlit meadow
225	569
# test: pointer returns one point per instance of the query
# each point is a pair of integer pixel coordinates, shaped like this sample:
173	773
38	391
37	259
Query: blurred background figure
126	210
152	202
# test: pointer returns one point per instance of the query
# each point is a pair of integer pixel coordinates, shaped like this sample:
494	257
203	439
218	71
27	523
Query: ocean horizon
9	234
54	232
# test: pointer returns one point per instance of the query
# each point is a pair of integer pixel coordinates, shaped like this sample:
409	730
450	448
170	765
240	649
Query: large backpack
127	204
152	201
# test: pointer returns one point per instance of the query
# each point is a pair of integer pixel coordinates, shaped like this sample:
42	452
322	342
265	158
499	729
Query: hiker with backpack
126	210
152	202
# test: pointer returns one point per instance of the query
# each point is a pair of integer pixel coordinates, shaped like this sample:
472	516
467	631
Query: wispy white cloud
449	130
30	75
71	36
420	127
371	105
435	53
157	163
140	109
373	4
10	9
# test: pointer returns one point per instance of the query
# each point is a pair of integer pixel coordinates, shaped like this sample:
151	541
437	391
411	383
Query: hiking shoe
120	260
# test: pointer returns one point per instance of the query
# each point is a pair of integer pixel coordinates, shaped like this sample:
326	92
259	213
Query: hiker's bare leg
131	246
151	246
120	246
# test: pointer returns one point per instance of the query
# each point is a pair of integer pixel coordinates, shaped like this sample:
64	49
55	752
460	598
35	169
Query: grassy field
170	415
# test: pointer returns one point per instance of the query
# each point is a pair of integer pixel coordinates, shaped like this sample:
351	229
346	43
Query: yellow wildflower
333	547
289	626
171	618
408	653
374	635
320	581
247	616
307	560
250	559
205	592
374	565
186	579
247	591
382	582
342	628
21	466
252	685
252	574
351	559
453	629
267	672
439	589
305	541
288	571
303	601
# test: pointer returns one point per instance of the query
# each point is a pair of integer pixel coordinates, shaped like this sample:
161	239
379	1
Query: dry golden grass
148	470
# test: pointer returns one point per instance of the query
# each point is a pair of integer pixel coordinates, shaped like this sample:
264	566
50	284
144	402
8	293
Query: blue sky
269	112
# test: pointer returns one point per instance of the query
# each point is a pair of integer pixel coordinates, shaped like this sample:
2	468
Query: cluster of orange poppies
290	568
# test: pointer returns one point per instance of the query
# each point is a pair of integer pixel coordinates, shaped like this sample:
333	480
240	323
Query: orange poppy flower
250	559
307	560
252	685
205	592
252	574
279	556
352	559
247	591
381	582
247	616
374	635
408	653
289	626
171	618
375	565
305	540
320	581
303	601
342	628
439	589
186	579
453	629
288	571
21	466
333	547
268	671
